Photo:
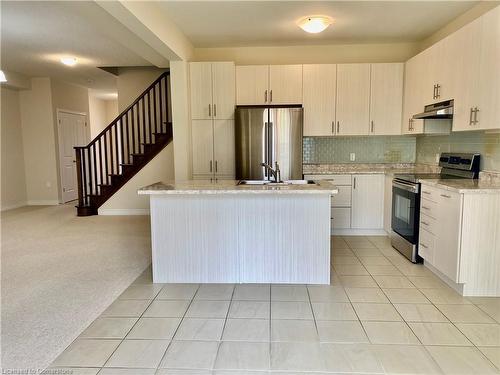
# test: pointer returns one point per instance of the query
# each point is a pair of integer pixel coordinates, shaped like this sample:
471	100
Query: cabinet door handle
265	96
476	110
209	110
338	127
333	127
373	126
354	182
426	192
423	222
470	115
216	166
446	196
270	96
438	91
210	165
434	93
425	208
425	247
215	110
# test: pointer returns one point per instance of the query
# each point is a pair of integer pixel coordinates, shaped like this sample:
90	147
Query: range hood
437	111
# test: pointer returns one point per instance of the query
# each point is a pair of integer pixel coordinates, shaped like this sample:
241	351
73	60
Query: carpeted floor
59	272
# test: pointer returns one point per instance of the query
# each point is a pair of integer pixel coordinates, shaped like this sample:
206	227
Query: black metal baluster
154	109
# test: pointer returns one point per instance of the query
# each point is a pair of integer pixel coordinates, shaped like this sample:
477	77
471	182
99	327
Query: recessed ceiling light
69	61
2	77
314	24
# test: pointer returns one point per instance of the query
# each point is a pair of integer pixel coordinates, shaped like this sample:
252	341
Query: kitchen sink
271	183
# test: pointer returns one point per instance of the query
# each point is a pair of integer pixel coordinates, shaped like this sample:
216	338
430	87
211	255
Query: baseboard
459	288
42	203
13	206
123	211
358	232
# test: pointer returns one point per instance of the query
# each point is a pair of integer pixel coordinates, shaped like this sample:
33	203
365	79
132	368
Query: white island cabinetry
222	232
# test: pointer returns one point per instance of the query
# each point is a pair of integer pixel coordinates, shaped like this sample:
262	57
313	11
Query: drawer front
426	246
343	198
341	218
336	179
428	223
429	193
429	208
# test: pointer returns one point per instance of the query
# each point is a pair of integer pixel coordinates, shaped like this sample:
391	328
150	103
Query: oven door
405	210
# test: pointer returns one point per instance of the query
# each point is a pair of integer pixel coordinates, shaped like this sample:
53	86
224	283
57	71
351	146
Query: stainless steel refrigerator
268	135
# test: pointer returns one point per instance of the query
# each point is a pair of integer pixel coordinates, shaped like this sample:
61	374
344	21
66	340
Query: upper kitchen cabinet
319	99
386	98
268	84
413	101
212	90
353	99
252	83
487	113
285	84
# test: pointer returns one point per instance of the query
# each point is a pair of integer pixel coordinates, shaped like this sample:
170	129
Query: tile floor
380	315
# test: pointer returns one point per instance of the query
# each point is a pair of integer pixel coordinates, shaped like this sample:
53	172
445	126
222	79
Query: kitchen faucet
275	172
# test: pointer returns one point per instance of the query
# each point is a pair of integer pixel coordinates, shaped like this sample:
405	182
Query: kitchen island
224	232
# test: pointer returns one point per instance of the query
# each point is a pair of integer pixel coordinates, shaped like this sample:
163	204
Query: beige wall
310	54
97	115
111	110
462	20
13	183
132	82
126	201
39	143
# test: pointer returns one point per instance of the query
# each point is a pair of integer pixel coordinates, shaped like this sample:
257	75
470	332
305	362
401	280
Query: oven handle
407	187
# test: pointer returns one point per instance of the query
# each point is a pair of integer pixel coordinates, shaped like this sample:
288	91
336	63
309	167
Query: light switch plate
352	156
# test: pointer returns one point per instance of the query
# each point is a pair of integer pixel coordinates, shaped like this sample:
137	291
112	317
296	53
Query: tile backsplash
488	145
372	149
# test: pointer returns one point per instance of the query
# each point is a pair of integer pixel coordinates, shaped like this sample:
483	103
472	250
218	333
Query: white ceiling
34	35
260	23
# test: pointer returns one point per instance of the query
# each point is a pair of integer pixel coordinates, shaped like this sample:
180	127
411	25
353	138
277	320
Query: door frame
59	143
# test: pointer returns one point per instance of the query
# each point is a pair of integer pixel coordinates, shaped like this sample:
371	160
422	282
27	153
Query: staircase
124	147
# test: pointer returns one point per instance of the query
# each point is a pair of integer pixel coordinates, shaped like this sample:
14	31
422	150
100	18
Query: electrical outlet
352	156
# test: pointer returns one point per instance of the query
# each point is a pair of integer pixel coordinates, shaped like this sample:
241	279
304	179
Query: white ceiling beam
151	24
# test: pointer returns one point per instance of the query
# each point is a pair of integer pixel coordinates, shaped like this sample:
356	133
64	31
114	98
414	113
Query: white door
200	78
252	84
72	132
353	99
367	201
203	147
224	153
386	98
285	84
413	95
319	99
223	77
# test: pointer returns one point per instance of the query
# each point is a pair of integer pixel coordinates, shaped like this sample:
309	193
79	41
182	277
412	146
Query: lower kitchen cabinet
367	201
459	239
358	208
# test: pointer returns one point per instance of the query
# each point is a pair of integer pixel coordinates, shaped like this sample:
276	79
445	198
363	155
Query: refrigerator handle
270	143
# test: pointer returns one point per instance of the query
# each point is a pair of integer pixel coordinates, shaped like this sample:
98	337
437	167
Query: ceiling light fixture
314	24
69	61
2	76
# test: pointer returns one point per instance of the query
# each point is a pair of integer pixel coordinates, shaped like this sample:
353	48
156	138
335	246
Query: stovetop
415	177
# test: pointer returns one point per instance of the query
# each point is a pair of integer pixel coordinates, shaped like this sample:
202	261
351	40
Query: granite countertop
232	187
464	185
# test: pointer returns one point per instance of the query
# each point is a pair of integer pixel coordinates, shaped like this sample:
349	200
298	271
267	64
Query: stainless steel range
406	199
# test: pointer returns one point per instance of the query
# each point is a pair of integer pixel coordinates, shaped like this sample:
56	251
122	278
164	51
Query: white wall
13	176
310	54
97	115
111	110
126	201
39	143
